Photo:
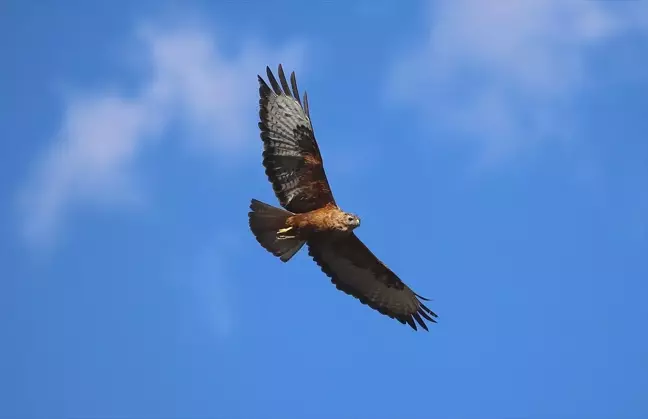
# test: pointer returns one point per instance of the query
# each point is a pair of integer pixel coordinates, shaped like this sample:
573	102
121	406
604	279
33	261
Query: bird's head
351	221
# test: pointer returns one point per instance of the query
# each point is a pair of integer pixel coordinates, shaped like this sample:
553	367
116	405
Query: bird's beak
357	222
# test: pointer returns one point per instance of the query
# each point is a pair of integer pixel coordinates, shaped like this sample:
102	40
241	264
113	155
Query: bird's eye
350	219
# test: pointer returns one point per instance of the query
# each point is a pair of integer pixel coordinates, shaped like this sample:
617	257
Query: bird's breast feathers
327	219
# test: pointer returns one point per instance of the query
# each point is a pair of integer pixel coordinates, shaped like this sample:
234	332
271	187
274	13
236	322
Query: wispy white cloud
190	83
215	297
504	73
212	292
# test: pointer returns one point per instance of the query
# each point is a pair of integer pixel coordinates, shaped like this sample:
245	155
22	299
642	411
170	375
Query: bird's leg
281	233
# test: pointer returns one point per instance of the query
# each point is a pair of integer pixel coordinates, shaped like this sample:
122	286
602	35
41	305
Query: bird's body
310	214
329	219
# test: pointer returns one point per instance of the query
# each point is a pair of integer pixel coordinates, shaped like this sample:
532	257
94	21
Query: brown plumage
294	166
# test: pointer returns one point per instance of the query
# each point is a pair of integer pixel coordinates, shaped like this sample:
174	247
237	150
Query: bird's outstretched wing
291	156
354	269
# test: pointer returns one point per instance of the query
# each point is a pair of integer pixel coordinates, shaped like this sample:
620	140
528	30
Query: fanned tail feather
265	222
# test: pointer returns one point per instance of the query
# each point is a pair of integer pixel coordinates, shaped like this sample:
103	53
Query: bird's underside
294	166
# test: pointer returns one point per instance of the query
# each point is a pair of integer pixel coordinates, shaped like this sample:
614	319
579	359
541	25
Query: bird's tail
266	222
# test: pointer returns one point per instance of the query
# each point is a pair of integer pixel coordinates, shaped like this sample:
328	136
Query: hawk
293	164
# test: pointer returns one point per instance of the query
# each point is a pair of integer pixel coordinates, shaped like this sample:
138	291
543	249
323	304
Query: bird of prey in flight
293	164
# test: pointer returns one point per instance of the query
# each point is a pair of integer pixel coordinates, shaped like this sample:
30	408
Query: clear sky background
497	154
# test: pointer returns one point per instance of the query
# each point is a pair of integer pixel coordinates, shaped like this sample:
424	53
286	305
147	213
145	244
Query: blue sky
497	156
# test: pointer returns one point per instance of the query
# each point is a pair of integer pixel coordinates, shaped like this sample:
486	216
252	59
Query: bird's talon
281	233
